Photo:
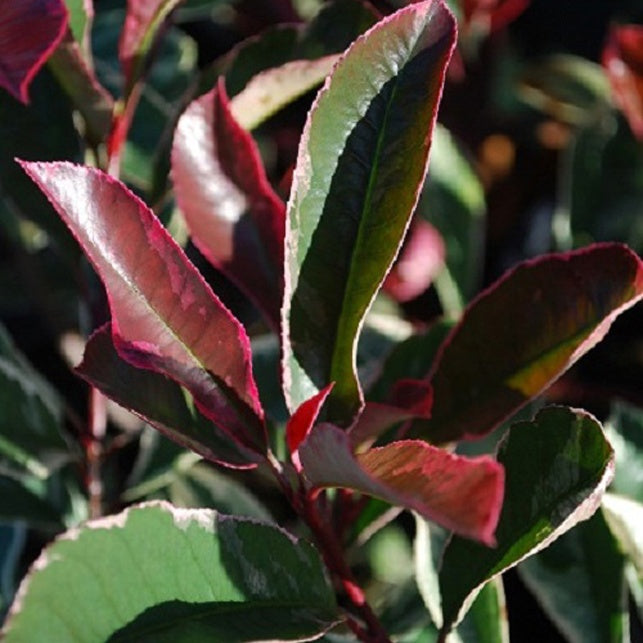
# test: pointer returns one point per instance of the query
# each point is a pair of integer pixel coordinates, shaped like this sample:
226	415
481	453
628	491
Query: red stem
97	424
331	549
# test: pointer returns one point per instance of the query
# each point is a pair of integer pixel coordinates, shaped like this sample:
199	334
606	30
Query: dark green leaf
354	189
557	467
579	582
231	579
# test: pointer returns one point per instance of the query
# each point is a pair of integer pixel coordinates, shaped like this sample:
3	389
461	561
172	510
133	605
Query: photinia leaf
623	61
361	163
420	260
301	422
221	579
78	80
164	315
269	91
30	30
579	582
159	401
143	20
522	333
234	216
557	468
462	494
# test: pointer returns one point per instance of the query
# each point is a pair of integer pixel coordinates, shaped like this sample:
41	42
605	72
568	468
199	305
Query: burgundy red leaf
30	30
165	317
234	216
462	494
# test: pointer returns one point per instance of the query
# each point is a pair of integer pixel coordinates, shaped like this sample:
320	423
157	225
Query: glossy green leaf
165	317
460	493
579	583
362	160
81	14
32	441
229	579
521	334
159	401
557	468
486	618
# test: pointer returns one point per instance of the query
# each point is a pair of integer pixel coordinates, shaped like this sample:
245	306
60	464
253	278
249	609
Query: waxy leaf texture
158	573
522	333
557	468
165	317
30	30
361	163
462	494
234	216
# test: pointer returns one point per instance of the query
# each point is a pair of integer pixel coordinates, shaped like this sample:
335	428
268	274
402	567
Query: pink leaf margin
30	31
144	342
462	494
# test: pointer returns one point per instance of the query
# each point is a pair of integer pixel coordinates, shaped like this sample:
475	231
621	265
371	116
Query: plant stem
97	424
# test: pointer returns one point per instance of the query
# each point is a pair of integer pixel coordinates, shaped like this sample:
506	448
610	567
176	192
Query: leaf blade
234	216
461	493
164	315
523	332
211	561
342	194
562	462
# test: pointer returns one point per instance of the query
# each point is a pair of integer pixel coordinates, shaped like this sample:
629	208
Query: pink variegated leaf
234	216
30	31
301	422
143	20
165	317
462	494
420	260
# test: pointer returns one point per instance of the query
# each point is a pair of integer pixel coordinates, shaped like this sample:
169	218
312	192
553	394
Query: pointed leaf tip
165	317
30	31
